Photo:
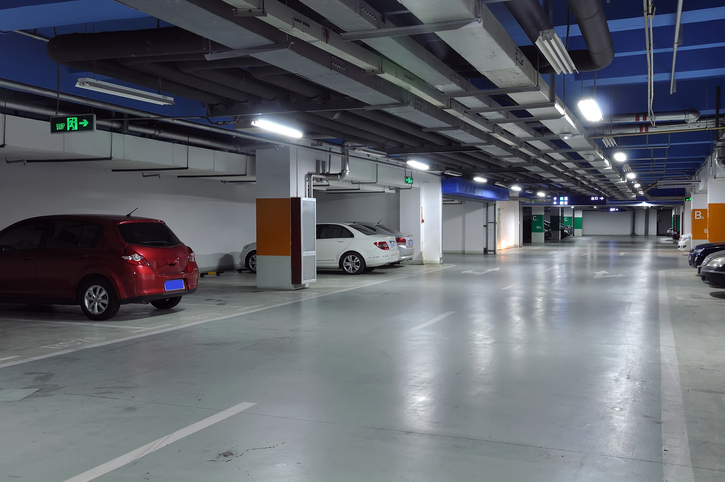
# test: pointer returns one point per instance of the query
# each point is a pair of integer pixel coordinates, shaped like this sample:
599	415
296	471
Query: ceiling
404	78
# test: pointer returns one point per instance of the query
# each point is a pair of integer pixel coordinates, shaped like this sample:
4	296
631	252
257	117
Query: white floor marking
675	444
622	254
547	270
210	320
158	444
434	320
509	287
153	328
478	273
553	252
9	358
605	274
91	324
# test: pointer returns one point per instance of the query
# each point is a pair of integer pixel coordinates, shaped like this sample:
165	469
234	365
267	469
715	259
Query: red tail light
382	245
401	241
131	257
192	256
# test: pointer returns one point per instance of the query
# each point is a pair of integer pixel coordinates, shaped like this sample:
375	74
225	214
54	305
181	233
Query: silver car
405	241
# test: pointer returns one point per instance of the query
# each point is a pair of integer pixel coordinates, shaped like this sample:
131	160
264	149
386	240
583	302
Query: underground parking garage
522	307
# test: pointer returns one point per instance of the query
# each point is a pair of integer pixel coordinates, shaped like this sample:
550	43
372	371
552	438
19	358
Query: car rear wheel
251	262
352	263
166	303
98	300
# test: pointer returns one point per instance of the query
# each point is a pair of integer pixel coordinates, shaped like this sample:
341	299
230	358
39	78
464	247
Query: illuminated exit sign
409	179
73	123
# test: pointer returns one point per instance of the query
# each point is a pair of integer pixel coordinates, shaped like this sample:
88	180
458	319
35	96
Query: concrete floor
589	359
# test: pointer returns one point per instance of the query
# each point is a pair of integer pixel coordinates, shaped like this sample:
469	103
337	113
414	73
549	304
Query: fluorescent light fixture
123	91
553	49
480	179
609	141
515	188
637	185
276	128
541	194
448	172
620	156
421	166
631	175
590	109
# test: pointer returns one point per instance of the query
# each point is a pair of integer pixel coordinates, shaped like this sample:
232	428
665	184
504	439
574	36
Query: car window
26	236
363	229
332	231
73	234
148	234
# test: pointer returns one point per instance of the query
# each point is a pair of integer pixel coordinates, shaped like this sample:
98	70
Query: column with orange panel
281	229
698	222
716	207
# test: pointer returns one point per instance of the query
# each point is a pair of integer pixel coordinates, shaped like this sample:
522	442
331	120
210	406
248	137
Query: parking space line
218	318
153	327
676	459
9	358
134	455
509	287
547	270
434	320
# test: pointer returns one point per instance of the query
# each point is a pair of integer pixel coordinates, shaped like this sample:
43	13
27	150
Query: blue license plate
174	285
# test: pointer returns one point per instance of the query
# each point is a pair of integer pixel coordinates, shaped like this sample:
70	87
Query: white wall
606	223
215	219
640	216
340	208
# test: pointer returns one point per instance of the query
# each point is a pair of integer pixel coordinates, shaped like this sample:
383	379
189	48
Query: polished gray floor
537	364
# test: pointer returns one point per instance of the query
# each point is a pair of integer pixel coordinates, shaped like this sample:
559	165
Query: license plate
174	285
410	243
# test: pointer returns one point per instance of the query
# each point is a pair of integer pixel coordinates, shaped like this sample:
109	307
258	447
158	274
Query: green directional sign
409	179
73	123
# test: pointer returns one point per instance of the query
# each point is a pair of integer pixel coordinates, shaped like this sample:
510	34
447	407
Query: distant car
547	230
97	261
404	241
700	252
712	270
351	247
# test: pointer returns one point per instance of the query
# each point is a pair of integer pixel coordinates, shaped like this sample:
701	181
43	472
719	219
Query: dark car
97	261
702	251
547	230
712	270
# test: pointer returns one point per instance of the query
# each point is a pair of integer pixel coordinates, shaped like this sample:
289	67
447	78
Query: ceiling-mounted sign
409	179
73	123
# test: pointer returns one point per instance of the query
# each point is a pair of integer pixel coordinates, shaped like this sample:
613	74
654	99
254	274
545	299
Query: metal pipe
688	116
677	41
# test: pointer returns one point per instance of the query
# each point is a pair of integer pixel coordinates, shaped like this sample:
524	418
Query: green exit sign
409	179
73	123
688	199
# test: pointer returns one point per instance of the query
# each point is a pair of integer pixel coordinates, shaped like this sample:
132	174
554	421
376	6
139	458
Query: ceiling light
609	141
631	175
515	188
541	194
448	172
553	49
620	156
590	110
640	192
637	185
421	166
480	179
276	128
123	91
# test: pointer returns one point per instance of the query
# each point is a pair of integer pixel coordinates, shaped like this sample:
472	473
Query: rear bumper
715	279
141	283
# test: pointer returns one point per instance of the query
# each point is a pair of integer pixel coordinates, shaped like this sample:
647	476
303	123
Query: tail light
134	258
382	245
192	256
400	241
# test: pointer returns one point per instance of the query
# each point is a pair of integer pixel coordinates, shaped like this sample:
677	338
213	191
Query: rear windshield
362	229
148	234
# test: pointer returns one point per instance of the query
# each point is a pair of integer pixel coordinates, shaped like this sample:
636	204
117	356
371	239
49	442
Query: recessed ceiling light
631	175
637	185
620	156
541	194
480	179
516	188
590	110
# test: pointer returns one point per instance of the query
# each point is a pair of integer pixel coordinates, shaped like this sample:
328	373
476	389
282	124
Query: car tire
251	262
98	300
166	303
352	263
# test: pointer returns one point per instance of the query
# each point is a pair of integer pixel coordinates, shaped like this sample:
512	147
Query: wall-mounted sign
73	123
409	179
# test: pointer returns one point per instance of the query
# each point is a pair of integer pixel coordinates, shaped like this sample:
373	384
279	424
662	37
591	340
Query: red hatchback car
97	261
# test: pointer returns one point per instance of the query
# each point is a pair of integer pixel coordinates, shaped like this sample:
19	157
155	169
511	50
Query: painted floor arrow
479	273
605	274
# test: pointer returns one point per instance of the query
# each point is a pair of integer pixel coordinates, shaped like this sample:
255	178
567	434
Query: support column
421	214
699	219
537	225
578	225
280	184
716	209
687	218
568	217
555	220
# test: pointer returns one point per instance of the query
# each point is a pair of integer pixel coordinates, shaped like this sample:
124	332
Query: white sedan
350	247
